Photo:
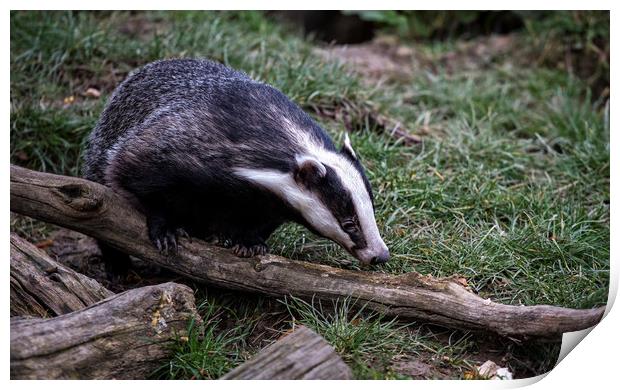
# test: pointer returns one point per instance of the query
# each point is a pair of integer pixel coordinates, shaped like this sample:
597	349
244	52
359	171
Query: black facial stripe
338	200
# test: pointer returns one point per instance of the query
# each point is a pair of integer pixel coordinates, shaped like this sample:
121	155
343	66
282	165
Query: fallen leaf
44	243
469	375
461	280
404	51
92	92
490	370
487	369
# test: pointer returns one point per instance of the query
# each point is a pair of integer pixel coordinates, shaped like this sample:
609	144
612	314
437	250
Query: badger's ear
309	170
347	149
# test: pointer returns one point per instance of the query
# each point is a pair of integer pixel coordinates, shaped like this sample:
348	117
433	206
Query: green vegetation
509	189
209	350
367	342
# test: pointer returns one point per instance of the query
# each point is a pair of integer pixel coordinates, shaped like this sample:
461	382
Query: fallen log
122	337
40	286
95	210
301	354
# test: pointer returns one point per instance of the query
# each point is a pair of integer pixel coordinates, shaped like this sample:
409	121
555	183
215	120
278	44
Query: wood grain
42	287
125	336
302	354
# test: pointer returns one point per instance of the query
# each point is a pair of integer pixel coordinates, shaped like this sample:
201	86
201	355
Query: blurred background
575	41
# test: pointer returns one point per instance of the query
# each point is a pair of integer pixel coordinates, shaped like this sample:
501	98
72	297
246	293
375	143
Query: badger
204	150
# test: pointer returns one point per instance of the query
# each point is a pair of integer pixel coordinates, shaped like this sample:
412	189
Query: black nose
382	258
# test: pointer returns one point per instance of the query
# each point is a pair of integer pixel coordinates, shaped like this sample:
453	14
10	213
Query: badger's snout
370	256
383	257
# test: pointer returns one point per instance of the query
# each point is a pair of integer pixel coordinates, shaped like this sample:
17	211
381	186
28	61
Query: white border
592	363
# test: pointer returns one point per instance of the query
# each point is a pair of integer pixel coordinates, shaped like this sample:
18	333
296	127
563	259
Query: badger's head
330	192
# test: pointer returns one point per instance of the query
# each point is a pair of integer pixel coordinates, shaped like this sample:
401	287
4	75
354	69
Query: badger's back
203	109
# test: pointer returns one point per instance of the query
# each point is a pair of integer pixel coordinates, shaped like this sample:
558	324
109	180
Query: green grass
510	187
209	350
368	343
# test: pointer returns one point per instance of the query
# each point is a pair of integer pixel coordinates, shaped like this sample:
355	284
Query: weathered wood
41	286
301	354
95	210
122	337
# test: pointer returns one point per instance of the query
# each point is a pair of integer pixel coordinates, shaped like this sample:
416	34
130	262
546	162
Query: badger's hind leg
116	263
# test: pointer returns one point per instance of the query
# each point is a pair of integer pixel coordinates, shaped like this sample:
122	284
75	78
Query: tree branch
124	336
302	354
39	285
95	210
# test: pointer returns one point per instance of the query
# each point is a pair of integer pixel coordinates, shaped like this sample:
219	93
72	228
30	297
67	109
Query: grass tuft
209	350
367	342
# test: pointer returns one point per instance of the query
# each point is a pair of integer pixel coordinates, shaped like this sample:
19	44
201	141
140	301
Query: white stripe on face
353	182
302	200
315	212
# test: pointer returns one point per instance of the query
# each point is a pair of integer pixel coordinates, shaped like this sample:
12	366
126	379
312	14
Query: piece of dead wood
302	354
40	286
125	336
95	210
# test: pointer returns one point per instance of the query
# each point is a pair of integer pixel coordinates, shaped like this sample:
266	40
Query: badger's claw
225	242
164	237
241	250
166	244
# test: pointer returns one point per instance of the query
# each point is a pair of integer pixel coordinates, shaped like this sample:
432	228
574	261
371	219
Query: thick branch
122	337
302	354
95	210
39	285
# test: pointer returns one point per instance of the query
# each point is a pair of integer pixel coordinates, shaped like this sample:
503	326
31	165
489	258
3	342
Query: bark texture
122	337
95	210
302	354
41	287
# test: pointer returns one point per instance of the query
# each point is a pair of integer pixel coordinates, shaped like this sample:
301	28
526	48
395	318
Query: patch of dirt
141	26
386	58
104	80
476	54
460	359
414	368
381	58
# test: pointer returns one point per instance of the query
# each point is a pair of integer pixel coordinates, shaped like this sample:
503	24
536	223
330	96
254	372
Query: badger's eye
349	226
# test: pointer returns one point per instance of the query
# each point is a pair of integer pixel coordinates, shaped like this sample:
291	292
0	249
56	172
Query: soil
387	59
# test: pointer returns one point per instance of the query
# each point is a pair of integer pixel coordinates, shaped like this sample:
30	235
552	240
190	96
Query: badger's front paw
163	235
242	250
